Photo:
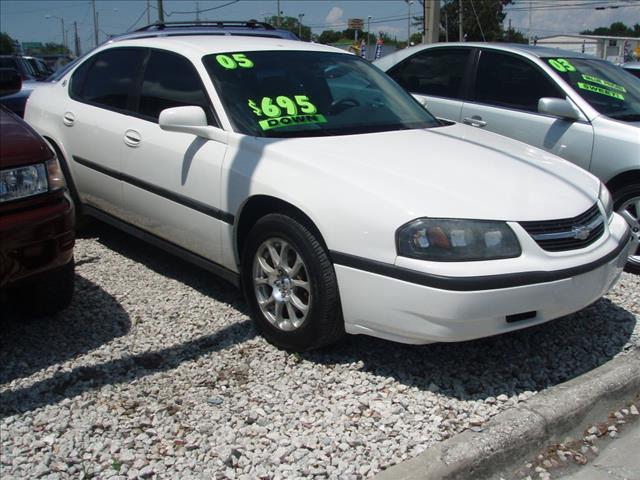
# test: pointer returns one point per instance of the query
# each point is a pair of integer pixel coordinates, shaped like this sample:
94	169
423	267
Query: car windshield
607	88
302	93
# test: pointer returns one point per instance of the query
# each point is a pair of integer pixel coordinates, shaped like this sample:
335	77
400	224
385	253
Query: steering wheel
338	106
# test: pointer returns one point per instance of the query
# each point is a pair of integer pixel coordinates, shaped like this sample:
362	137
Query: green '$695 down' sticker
293	108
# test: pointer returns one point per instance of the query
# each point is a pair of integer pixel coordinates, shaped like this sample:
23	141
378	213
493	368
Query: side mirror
10	81
190	120
557	107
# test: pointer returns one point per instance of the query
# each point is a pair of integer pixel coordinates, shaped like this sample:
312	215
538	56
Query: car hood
454	172
19	143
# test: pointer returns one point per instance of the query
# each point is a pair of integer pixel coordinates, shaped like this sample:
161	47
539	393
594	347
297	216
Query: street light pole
64	39
409	3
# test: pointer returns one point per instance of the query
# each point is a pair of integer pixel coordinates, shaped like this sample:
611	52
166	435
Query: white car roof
200	45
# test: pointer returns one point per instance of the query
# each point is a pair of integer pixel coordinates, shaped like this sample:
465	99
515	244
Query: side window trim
472	90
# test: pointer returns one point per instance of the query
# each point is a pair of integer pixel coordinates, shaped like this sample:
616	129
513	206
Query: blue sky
25	19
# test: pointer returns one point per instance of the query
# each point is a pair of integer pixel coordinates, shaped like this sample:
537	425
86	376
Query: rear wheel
627	203
290	285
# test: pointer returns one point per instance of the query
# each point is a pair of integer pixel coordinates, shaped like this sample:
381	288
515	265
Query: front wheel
626	201
290	285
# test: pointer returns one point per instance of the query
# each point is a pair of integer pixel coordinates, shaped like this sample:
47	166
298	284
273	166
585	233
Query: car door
504	100
93	119
436	77
172	180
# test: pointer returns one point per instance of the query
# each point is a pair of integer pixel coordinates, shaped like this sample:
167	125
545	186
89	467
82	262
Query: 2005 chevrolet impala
337	202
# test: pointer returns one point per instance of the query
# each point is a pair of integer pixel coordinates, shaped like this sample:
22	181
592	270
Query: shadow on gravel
28	345
527	360
81	379
166	264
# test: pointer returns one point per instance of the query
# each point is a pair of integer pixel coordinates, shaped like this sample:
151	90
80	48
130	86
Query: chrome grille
568	233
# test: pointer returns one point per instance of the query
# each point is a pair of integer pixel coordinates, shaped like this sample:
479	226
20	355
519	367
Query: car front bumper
409	312
36	235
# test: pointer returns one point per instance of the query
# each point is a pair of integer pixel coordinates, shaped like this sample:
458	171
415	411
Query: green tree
616	29
329	36
512	35
292	24
416	38
7	46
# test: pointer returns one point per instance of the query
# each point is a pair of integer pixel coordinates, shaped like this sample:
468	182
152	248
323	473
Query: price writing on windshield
604	83
562	65
270	109
285	111
233	61
600	90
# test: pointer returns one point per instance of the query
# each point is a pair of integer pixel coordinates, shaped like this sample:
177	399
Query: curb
521	431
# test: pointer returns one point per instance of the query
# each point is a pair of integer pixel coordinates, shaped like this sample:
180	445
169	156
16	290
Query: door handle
475	121
68	119
132	138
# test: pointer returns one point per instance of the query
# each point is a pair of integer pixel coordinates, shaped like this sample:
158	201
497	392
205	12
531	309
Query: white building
614	49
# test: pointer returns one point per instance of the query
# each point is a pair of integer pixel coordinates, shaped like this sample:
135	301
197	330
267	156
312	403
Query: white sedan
310	179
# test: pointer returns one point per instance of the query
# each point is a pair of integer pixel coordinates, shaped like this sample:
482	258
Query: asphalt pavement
618	460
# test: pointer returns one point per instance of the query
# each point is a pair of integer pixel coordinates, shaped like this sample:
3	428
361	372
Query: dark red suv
36	219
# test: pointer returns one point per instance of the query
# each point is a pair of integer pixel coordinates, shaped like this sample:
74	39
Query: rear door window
109	78
507	81
437	72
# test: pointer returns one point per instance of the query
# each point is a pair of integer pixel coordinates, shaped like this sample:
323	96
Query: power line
137	20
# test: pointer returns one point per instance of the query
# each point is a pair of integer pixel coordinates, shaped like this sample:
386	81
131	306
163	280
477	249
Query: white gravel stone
155	371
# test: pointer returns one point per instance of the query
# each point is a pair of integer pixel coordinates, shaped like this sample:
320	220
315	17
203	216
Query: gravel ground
155	371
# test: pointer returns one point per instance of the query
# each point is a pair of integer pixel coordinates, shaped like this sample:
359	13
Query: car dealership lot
156	369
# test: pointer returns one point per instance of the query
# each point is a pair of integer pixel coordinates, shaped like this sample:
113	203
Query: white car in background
307	177
576	106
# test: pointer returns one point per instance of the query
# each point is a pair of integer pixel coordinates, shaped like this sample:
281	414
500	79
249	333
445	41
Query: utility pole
446	26
368	36
77	39
530	21
300	25
160	12
148	12
426	12
95	22
278	14
431	21
461	39
197	12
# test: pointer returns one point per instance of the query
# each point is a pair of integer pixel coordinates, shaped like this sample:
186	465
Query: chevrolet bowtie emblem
580	232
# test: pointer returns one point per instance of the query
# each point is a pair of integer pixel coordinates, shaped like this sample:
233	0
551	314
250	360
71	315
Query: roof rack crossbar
209	23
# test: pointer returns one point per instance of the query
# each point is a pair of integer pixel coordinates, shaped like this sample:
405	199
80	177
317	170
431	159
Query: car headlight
21	182
607	201
452	240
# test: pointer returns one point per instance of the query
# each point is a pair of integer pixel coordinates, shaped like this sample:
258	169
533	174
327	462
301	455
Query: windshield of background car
607	88
302	93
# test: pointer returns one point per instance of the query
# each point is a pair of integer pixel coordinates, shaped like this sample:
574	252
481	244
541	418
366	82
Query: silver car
576	106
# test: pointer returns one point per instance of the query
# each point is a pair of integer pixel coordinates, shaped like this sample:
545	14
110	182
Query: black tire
620	197
46	295
323	323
